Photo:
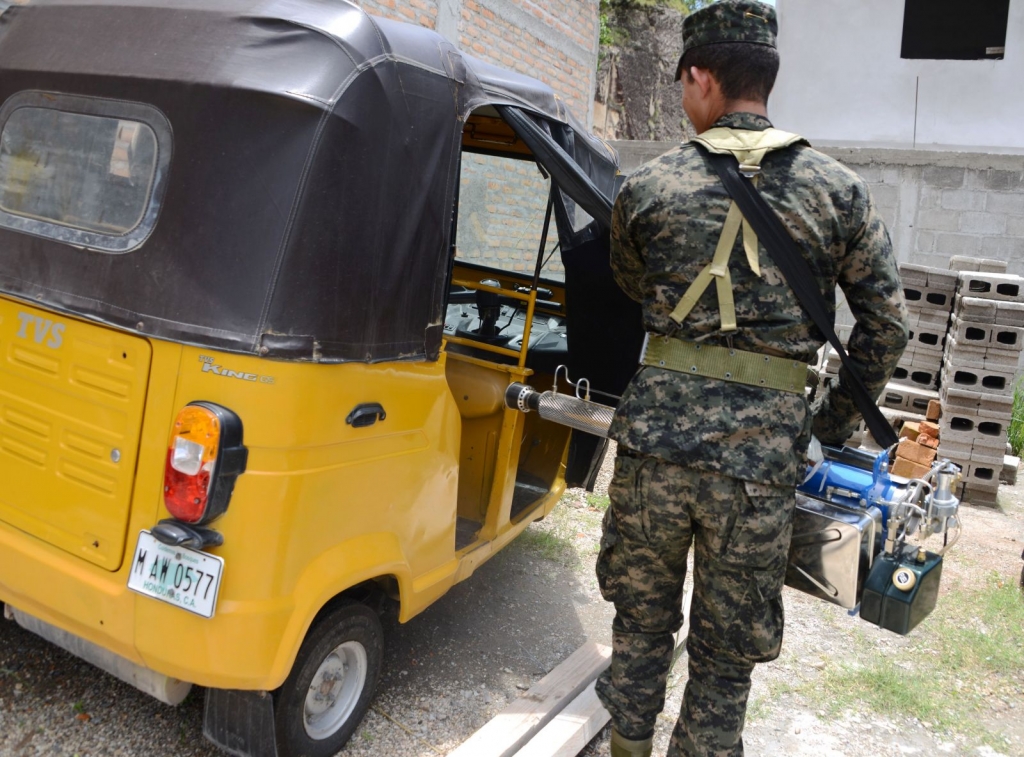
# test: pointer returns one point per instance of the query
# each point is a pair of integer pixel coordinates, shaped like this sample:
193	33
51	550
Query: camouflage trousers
740	533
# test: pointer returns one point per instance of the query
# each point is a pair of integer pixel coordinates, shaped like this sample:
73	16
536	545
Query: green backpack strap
749	147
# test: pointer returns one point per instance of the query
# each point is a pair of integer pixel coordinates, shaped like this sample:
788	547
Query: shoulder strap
783	251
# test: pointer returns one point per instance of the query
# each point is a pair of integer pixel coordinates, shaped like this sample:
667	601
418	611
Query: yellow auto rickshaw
266	272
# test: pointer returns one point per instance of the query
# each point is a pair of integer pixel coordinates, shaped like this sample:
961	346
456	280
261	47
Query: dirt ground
456	665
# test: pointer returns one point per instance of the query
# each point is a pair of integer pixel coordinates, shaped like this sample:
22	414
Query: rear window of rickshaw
84	178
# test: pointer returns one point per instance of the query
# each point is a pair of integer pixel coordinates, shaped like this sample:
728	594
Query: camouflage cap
729	21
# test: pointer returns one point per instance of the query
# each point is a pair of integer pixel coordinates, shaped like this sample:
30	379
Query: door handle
365	414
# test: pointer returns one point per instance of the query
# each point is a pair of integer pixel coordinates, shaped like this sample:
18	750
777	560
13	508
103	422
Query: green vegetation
568	535
683	6
609	35
1016	430
963	658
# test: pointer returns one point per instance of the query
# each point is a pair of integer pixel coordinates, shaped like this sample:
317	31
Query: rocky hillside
636	97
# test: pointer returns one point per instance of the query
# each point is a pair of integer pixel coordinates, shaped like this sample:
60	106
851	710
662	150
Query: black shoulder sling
783	251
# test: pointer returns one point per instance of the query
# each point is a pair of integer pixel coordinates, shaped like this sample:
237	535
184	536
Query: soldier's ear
700	78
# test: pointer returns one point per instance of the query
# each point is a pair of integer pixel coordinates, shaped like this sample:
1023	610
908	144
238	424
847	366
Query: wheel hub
334	690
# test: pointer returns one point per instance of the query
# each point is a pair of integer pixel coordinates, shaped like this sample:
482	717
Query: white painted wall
842	80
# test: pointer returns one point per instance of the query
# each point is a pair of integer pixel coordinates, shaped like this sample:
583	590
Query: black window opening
955	30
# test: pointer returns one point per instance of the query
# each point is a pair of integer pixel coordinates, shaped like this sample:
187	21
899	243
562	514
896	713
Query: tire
316	710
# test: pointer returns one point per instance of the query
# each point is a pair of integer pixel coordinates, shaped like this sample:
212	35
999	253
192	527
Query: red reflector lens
191	463
184	495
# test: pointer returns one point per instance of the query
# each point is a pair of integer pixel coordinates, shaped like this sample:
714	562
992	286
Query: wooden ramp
559	715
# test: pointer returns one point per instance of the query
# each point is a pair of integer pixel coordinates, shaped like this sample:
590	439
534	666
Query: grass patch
968	651
548	545
1015	432
553	538
598	502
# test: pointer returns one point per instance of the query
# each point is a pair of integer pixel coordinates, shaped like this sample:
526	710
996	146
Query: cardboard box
934	410
908	468
916	453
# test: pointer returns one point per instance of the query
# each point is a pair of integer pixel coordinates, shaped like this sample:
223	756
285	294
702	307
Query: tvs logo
41	330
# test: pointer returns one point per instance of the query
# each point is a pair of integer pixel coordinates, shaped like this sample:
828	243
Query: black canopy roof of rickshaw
309	196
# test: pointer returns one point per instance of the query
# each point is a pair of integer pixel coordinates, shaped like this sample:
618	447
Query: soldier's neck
744	106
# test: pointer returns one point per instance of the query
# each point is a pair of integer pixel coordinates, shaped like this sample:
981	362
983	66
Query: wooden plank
571	730
582	719
514	726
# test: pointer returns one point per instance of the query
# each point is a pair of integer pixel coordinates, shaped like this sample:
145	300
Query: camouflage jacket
665	225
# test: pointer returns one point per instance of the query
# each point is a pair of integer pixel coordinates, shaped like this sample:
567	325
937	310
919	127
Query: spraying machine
858	530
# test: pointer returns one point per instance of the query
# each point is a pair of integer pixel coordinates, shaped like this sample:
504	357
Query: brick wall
554	40
502	202
501	215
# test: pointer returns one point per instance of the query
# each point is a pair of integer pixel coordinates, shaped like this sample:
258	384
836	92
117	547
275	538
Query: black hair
744	71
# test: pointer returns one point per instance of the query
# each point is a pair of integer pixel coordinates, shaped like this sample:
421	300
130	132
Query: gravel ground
459	663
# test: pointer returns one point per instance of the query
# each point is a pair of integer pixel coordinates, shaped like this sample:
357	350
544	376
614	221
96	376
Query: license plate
182	577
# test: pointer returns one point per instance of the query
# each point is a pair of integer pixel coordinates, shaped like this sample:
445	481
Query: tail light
204	457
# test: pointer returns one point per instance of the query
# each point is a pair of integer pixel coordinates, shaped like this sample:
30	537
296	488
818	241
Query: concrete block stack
979	369
929	293
956	379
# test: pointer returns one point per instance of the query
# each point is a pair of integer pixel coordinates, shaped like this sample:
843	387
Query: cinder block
955	399
943	281
927	339
894	396
968	332
963	263
994	286
958	427
964	353
1010	466
988	265
917	377
914	275
937	319
978	334
1010	314
1001	360
975	309
1007	337
928	298
930	362
984	456
979	495
977	379
981	475
979	356
903	396
993	445
955	450
996	407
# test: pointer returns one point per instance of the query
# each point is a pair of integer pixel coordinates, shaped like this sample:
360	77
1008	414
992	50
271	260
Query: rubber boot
623	747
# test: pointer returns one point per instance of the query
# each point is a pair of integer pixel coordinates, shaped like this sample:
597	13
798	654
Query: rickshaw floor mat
466	530
524	496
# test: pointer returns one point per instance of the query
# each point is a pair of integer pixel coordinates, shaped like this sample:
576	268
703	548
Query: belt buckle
643	350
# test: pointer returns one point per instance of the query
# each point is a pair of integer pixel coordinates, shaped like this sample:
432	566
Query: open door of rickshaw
531	296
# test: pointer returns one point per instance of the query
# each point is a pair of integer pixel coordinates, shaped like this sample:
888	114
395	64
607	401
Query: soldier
714	428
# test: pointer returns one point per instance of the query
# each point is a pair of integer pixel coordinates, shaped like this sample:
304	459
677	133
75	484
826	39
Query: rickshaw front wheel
331	685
